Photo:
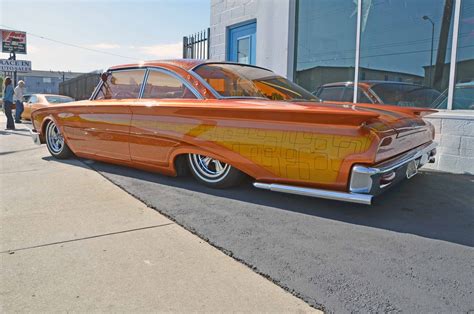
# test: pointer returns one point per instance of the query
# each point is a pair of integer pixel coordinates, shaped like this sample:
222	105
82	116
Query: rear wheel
213	172
55	142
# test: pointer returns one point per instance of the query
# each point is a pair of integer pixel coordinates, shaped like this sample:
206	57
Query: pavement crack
85	238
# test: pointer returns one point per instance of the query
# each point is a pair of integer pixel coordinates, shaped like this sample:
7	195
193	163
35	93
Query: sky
134	30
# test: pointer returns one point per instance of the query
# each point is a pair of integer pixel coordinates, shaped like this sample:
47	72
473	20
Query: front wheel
214	173
55	142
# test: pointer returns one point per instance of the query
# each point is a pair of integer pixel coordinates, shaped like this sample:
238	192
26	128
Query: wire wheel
208	169
54	138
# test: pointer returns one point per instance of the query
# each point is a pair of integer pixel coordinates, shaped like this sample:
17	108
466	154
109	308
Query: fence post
185	47
208	42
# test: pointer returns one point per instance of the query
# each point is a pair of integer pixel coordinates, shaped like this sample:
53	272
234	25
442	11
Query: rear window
331	93
405	95
58	99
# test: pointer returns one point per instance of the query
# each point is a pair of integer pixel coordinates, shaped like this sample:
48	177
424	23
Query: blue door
242	43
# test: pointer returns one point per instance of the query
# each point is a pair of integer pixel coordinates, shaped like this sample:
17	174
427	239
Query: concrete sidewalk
72	241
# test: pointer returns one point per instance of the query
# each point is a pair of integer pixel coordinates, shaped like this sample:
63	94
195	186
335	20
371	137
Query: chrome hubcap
55	139
209	169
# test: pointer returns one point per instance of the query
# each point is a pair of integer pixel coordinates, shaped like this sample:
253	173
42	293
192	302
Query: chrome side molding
331	195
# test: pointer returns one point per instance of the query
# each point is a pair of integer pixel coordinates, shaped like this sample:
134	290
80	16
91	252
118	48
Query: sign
15	65
13	41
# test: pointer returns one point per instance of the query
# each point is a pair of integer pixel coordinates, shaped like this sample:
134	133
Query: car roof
185	64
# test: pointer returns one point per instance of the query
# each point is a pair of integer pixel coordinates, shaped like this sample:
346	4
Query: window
331	93
410	50
362	97
325	42
33	99
405	95
162	85
232	80
123	84
464	78
58	99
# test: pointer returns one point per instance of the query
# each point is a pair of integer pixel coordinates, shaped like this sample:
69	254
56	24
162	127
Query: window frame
147	70
186	84
101	82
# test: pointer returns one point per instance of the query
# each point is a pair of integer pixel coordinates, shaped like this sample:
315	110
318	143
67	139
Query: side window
348	94
26	98
122	85
33	99
162	85
362	97
331	93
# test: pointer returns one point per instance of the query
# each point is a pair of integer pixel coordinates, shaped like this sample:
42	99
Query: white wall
455	136
274	38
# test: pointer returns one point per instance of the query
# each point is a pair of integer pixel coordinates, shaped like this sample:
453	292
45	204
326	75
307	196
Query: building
45	82
314	42
80	87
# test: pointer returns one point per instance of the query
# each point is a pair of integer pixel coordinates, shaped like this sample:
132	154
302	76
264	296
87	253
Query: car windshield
405	95
242	81
58	99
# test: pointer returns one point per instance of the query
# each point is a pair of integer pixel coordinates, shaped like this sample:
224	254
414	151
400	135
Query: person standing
19	92
8	102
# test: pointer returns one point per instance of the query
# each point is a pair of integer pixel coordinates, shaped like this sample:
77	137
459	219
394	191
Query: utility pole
13	57
427	18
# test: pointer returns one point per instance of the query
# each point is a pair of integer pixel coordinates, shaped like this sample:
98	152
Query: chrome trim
35	136
331	195
205	84
142	87
97	88
361	178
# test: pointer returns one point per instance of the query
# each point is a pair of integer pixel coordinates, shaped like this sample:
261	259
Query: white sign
15	65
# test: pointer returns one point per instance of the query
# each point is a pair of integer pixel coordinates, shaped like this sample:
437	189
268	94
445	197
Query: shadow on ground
433	204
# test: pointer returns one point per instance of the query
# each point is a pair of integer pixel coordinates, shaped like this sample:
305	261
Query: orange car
36	101
225	121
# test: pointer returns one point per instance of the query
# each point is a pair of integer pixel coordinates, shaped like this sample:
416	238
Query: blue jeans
18	111
7	108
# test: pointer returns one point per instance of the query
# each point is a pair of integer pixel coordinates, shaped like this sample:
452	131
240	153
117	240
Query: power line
72	45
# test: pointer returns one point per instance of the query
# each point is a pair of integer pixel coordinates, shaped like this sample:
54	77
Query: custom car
32	102
224	122
380	92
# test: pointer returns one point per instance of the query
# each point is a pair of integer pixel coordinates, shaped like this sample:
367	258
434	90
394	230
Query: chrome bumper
366	182
36	137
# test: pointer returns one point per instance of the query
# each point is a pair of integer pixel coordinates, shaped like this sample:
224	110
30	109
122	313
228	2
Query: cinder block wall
455	136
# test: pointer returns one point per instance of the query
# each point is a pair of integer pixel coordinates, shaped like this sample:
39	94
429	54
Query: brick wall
225	13
455	136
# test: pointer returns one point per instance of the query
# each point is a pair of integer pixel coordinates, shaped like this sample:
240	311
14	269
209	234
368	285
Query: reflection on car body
225	121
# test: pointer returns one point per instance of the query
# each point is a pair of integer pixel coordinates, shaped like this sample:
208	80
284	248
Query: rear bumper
375	179
367	181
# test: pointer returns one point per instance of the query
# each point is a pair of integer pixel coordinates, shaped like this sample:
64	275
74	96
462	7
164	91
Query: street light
427	18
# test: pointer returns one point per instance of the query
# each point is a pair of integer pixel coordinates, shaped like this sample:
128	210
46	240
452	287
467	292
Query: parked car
32	102
463	97
380	92
225	121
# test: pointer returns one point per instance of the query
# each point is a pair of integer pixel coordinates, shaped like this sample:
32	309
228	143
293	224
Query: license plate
412	168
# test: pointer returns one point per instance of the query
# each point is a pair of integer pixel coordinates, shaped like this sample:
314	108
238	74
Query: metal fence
80	87
196	46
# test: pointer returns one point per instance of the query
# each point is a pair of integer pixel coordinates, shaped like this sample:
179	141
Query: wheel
55	142
214	173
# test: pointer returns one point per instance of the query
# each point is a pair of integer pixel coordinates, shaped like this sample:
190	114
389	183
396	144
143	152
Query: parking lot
412	251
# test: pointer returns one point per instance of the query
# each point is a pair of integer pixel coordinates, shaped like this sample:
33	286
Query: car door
151	134
106	121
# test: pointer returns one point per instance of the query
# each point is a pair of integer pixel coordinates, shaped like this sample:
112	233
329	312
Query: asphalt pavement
411	251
